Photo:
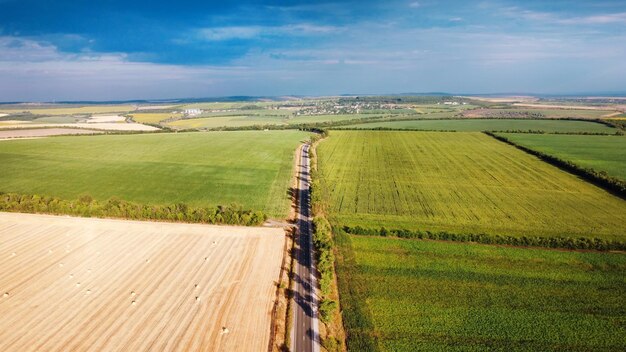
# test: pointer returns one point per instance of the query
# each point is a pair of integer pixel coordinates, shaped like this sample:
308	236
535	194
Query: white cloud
596	19
250	32
414	4
228	33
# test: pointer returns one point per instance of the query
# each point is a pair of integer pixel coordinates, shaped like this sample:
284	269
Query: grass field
252	168
75	284
461	183
414	295
602	153
477	125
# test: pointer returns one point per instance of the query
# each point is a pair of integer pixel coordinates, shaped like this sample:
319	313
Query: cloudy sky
117	50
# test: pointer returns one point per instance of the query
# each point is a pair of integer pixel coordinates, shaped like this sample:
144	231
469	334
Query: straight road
304	332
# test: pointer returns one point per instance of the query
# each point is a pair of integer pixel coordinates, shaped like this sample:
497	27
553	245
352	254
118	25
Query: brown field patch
44	132
105	126
98	284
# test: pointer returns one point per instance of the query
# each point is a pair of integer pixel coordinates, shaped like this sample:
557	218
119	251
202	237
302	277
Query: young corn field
410	295
461	183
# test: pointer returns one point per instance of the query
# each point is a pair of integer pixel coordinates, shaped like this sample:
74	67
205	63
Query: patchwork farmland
94	284
461	183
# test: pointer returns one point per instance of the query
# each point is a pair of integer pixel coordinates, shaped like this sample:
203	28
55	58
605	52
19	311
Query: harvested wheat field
43	132
112	285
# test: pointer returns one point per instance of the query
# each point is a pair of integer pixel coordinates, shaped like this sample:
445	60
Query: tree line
598	244
86	206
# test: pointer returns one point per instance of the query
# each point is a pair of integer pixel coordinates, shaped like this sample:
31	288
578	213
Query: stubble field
94	284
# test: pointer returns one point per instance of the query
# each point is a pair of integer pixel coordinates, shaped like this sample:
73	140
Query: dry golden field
111	285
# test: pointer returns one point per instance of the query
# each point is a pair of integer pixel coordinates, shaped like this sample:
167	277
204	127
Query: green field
251	168
461	183
242	119
414	295
224	121
602	153
477	125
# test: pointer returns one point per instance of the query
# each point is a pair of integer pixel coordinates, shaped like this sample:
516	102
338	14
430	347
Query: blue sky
115	50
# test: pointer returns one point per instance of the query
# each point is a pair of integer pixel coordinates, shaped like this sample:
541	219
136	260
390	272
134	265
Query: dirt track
94	284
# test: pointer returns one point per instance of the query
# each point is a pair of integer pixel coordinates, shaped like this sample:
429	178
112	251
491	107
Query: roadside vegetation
86	206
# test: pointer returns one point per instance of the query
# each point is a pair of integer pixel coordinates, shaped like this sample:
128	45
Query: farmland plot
602	153
110	285
415	295
461	183
477	125
251	168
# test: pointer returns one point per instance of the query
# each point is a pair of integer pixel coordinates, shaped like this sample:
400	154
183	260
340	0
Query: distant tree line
599	178
531	241
86	206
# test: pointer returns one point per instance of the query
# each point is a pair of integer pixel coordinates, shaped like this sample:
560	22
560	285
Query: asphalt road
305	332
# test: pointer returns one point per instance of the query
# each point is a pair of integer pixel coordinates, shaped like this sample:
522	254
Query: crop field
241	119
224	121
416	295
602	153
461	183
92	109
543	112
477	125
109	285
151	117
251	168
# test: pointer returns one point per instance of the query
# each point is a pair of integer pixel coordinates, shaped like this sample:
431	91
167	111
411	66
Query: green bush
86	206
327	308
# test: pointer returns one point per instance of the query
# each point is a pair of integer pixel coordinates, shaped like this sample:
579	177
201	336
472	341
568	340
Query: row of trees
323	241
86	206
534	241
599	178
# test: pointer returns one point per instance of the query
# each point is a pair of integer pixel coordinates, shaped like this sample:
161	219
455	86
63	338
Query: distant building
192	112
